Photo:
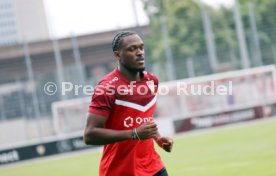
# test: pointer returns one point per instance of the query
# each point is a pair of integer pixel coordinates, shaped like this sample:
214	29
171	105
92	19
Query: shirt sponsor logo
131	122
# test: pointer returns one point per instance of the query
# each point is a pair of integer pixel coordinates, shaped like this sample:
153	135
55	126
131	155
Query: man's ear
117	55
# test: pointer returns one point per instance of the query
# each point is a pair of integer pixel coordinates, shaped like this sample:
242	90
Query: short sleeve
102	101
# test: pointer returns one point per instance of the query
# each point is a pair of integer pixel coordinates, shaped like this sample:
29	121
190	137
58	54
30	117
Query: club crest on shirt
150	84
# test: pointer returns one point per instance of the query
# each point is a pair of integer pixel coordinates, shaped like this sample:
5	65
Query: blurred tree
184	27
225	36
265	14
186	33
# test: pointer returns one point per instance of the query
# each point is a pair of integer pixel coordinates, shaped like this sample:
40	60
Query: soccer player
120	115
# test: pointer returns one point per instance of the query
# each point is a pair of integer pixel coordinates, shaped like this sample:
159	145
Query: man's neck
129	75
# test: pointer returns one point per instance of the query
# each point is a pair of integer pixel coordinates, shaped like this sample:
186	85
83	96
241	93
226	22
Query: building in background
17	105
22	20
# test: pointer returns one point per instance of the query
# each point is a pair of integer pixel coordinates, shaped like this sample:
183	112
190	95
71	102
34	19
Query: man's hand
165	143
147	130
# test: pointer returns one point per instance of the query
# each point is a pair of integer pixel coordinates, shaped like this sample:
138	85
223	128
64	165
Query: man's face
131	53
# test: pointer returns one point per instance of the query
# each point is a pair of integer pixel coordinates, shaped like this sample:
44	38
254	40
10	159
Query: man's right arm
96	134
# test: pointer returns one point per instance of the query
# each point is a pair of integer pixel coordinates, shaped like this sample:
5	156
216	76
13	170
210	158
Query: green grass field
246	150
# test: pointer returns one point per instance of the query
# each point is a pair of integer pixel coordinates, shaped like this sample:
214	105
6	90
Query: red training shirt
127	105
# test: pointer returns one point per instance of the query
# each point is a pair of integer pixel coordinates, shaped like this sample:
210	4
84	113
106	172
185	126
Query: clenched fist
147	130
165	143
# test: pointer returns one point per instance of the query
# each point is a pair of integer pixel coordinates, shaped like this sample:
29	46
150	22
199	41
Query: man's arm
95	134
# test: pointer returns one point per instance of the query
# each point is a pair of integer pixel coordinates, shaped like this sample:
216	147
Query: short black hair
117	40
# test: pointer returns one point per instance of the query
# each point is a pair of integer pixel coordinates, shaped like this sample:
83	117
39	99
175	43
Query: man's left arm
165	143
